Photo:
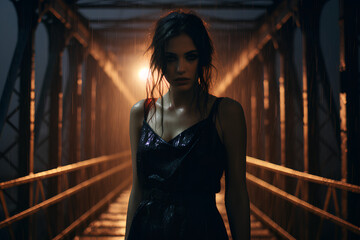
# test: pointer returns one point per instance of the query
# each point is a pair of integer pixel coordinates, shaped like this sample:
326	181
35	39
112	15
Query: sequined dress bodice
179	179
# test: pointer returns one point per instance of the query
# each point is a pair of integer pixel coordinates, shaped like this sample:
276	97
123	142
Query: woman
183	141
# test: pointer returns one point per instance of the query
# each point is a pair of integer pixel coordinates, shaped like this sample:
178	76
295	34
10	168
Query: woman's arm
232	122
136	118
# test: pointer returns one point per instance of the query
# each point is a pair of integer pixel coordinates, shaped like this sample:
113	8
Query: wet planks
111	224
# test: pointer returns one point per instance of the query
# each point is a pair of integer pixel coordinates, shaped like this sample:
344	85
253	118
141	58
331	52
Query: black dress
180	179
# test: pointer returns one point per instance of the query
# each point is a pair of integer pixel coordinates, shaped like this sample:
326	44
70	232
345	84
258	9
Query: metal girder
271	105
26	15
132	5
73	113
143	24
117	31
314	77
57	45
302	175
103	202
89	102
303	204
82	33
350	104
270	223
257	105
274	22
151	20
22	67
293	110
59	197
63	170
122	30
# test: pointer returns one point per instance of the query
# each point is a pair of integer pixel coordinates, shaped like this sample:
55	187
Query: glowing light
143	74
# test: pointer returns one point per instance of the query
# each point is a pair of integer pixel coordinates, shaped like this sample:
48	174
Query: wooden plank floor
111	224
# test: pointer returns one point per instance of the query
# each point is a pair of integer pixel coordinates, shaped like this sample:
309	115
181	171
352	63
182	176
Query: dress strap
214	107
147	106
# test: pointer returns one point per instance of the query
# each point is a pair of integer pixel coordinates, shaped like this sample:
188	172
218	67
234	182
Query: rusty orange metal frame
92	210
62	170
106	60
67	193
301	176
275	22
269	222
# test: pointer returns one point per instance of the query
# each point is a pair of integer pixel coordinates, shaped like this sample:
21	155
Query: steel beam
309	13
76	56
89	101
27	19
152	20
57	41
350	92
274	22
302	175
271	105
248	109
67	193
257	102
154	5
303	204
292	97
80	30
311	102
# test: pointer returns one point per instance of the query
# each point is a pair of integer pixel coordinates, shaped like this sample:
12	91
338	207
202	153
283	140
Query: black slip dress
179	179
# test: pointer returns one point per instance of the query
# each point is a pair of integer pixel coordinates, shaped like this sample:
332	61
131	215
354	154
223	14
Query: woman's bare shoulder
230	108
137	110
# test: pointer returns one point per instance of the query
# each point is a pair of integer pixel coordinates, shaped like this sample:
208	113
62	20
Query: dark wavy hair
171	25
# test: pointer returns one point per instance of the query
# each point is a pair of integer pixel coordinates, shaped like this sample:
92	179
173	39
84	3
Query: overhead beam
151	20
115	37
278	17
82	33
122	30
131	5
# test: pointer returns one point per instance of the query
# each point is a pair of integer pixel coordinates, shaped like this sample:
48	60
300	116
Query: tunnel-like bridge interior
71	70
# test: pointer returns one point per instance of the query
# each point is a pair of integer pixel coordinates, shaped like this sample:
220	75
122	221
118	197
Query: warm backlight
143	74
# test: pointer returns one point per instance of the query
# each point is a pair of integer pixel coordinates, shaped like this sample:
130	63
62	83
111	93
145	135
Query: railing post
74	114
292	97
89	103
271	119
252	78
271	106
75	81
320	113
258	73
309	18
88	121
27	106
349	97
246	85
57	40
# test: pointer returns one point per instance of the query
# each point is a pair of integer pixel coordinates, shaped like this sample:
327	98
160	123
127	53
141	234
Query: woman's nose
180	66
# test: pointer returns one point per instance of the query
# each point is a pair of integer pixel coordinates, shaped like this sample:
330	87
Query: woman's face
182	60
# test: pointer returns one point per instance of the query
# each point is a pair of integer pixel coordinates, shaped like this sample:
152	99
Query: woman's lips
182	80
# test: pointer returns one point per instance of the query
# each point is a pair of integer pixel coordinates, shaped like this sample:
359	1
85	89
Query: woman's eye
192	57
170	59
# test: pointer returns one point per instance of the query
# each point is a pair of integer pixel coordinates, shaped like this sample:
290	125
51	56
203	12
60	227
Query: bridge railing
106	167
86	186
302	179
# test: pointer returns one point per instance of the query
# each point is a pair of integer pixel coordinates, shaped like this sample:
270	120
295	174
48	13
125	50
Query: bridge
69	76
